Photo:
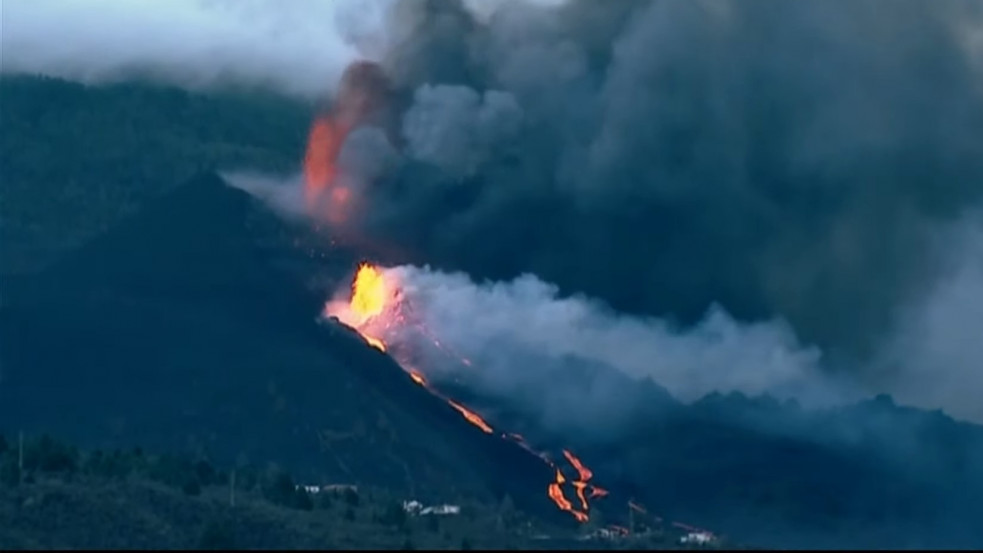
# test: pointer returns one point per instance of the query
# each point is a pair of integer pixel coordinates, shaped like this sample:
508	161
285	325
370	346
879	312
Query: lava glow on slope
375	307
362	90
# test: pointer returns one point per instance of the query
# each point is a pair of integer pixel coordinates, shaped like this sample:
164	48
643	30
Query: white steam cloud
935	359
495	324
299	48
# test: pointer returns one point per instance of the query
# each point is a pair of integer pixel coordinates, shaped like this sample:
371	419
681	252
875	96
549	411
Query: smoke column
797	166
934	357
523	334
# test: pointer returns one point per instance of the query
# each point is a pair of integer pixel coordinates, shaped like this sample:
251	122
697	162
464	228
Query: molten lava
555	491
418	378
323	144
375	306
471	417
375	342
362	91
584	472
370	293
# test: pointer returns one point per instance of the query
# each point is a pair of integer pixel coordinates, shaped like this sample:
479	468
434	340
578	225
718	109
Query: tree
205	472
323	501
506	512
394	515
48	455
191	487
9	473
280	488
465	544
216	536
349	514
433	524
302	500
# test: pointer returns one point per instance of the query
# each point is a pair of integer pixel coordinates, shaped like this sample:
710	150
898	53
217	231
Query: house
441	510
340	488
612	533
329	488
414	507
697	538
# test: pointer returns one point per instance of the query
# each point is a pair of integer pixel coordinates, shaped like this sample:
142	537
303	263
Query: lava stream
584	472
471	416
555	491
372	308
363	89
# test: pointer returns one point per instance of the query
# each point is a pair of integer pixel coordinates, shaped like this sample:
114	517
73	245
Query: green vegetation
77	158
55	496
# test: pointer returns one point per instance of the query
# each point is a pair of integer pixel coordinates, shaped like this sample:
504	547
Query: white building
441	510
414	507
698	538
333	488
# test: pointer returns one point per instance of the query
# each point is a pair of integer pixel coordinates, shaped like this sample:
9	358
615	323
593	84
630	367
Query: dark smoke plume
780	159
814	163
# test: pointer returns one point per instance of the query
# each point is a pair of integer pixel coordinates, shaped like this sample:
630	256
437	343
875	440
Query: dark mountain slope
869	475
182	329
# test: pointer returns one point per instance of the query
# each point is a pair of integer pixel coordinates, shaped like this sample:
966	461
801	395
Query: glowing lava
555	491
362	91
584	472
323	145
580	486
418	378
471	416
375	306
370	293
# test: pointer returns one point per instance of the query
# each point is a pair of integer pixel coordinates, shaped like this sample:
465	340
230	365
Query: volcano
192	327
196	327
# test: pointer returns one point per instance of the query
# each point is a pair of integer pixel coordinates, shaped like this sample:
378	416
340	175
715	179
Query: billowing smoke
935	356
790	161
528	314
522	338
740	178
778	160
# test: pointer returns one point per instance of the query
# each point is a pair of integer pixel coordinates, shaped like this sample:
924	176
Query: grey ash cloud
813	165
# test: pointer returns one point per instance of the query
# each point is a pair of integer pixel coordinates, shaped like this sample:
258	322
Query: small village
691	536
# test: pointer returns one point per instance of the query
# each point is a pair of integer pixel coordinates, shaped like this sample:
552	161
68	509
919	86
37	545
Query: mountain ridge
178	320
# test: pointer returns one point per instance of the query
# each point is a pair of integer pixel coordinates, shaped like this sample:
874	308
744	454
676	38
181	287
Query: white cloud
297	47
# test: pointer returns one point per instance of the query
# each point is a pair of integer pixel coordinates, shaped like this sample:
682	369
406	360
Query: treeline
24	460
351	517
76	158
54	495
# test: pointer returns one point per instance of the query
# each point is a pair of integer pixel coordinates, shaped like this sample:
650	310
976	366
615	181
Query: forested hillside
53	495
76	158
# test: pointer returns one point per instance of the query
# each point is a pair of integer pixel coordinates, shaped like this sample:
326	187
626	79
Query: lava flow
374	307
370	295
362	91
